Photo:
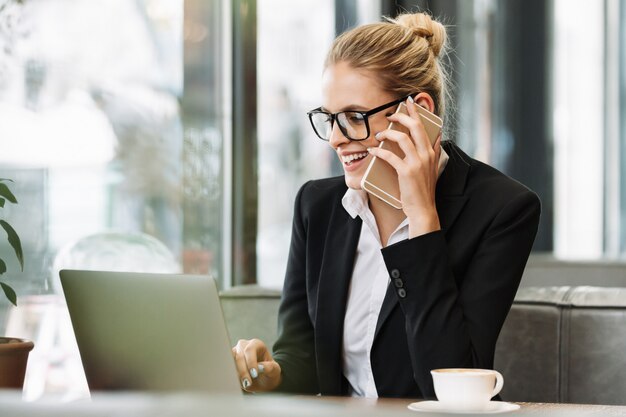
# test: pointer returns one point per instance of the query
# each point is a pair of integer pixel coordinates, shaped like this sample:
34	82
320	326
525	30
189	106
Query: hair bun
425	27
423	32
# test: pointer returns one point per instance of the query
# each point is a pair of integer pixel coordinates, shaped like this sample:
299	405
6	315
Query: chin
353	182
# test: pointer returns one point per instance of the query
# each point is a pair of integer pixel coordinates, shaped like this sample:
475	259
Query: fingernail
246	383
377	135
261	368
253	373
368	149
411	99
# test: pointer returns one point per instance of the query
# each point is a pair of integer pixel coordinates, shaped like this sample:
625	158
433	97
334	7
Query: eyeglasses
353	124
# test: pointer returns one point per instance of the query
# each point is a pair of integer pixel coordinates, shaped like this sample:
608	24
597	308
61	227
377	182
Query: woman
374	297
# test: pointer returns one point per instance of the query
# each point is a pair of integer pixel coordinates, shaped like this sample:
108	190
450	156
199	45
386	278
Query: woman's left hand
417	172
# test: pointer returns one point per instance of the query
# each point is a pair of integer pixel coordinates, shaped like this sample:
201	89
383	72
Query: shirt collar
355	202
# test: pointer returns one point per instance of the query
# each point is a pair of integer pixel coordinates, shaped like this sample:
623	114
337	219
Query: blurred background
182	125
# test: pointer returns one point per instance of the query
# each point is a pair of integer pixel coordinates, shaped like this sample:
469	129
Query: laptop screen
150	332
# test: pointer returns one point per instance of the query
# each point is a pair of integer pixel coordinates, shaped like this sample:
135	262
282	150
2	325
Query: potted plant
13	351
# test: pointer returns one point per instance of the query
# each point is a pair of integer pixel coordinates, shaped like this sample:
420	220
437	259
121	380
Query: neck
387	218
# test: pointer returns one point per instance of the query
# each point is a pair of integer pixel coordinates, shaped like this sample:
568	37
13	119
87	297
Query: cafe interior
172	137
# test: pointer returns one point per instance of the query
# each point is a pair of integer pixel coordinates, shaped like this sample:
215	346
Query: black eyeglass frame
365	114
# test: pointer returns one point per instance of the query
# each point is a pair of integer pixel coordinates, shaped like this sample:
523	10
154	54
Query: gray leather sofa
565	344
558	344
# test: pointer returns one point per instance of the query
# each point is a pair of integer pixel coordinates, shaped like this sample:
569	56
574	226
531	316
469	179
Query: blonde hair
404	54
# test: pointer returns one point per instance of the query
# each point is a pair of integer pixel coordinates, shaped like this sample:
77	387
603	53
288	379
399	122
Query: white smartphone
381	179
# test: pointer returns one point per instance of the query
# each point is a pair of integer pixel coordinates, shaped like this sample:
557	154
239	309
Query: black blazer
449	291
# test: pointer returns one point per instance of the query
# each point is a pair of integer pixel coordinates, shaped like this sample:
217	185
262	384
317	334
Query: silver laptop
150	332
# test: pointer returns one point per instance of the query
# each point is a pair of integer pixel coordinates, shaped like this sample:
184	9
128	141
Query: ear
426	101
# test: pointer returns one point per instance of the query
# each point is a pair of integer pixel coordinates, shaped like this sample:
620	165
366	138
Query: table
264	405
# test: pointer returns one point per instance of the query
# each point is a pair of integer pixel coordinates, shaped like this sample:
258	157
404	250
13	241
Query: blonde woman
374	297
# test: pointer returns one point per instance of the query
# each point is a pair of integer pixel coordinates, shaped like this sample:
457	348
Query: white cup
466	389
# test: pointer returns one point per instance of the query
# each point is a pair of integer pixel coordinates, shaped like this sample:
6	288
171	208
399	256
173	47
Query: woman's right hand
257	370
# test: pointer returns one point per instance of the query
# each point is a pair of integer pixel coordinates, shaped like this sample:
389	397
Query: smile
348	159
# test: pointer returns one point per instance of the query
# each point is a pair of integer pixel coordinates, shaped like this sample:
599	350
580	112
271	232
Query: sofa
558	344
565	344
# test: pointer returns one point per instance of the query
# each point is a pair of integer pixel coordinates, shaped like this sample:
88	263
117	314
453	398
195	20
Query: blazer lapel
336	270
450	200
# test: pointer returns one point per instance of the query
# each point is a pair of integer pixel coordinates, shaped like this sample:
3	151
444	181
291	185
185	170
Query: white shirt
368	286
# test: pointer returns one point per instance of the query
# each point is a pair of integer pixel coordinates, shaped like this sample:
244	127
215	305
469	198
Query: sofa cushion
565	344
251	312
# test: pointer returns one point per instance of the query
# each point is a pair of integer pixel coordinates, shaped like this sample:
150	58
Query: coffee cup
466	388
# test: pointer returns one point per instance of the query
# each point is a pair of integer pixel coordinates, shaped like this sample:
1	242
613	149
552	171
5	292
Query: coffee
462	370
466	388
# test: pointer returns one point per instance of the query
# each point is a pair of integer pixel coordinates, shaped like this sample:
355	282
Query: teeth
349	158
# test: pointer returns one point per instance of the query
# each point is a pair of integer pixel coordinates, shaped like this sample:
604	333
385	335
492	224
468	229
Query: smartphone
381	179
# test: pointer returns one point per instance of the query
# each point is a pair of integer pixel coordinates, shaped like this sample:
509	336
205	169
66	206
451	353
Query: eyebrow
351	107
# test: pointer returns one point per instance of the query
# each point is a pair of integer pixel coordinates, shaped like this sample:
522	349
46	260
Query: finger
270	377
402	139
437	141
422	151
391	158
242	367
269	369
437	147
254	350
413	122
418	131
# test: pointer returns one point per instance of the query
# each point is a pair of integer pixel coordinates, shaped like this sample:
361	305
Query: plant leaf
6	193
2	200
14	240
3	267
8	291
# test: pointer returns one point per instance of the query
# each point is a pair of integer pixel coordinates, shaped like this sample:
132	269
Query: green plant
13	238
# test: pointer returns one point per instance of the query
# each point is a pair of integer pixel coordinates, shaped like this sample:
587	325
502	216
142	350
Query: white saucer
494	407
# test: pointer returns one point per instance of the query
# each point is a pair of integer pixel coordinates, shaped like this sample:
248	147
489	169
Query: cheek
378	126
371	142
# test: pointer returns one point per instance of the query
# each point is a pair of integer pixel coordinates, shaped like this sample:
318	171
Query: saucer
494	407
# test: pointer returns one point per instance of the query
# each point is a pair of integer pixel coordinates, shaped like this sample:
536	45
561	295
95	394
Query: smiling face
344	88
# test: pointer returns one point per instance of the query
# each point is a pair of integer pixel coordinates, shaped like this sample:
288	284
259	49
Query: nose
337	137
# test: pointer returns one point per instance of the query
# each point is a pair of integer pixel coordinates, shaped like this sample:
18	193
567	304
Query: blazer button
398	283
395	273
401	292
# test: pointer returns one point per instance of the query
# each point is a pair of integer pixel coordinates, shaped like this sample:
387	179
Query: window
540	95
91	126
144	136
292	46
91	131
291	51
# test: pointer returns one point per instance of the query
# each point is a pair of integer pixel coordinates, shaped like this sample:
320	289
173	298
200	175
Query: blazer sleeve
294	348
455	321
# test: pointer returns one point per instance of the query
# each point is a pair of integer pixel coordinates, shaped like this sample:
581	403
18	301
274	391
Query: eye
355	118
322	116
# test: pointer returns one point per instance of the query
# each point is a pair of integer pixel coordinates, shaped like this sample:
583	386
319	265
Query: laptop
150	332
